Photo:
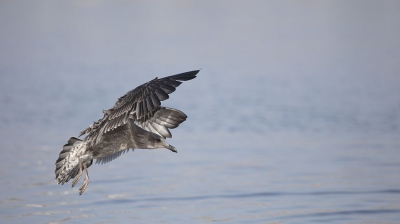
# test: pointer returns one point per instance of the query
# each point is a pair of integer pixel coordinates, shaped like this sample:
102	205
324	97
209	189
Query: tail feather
67	162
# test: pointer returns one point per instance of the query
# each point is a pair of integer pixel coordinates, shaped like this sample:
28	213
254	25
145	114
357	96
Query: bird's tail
67	164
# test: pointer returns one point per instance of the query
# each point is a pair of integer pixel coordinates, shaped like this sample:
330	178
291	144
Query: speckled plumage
136	121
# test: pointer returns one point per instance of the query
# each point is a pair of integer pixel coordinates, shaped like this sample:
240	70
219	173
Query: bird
136	121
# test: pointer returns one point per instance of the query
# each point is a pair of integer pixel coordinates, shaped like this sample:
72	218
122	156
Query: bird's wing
141	104
111	157
162	119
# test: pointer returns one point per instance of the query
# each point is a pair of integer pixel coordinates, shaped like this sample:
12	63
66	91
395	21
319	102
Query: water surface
294	117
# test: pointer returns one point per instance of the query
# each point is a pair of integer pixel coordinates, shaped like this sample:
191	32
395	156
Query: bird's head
157	141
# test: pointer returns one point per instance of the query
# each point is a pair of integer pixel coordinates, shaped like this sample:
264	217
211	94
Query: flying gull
136	121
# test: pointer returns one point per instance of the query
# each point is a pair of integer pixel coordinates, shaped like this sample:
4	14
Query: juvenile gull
136	121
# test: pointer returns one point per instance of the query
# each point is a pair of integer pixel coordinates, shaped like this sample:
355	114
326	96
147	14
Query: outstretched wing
161	120
141	103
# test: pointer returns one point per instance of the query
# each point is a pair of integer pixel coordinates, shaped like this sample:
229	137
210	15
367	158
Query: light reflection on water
307	133
301	180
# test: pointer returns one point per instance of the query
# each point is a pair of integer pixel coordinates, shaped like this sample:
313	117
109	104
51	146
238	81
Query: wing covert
141	103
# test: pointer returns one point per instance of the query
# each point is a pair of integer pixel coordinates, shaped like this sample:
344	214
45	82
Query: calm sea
294	117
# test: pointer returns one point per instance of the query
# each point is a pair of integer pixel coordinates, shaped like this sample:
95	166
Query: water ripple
253	195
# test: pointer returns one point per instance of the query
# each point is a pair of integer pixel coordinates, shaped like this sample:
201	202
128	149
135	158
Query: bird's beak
170	147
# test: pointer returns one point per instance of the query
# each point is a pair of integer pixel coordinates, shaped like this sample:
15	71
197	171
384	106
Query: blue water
294	117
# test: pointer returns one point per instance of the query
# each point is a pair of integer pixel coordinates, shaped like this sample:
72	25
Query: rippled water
294	117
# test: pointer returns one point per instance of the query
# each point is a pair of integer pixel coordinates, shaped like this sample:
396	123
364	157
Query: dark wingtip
186	75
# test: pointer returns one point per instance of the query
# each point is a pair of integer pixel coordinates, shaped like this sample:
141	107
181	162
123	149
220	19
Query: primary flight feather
136	121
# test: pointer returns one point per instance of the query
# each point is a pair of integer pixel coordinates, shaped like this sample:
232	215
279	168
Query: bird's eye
158	140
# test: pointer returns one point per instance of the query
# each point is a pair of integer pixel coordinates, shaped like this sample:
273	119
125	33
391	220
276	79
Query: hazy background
294	117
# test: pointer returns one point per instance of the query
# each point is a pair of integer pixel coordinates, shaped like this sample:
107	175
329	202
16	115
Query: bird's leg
79	175
85	182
